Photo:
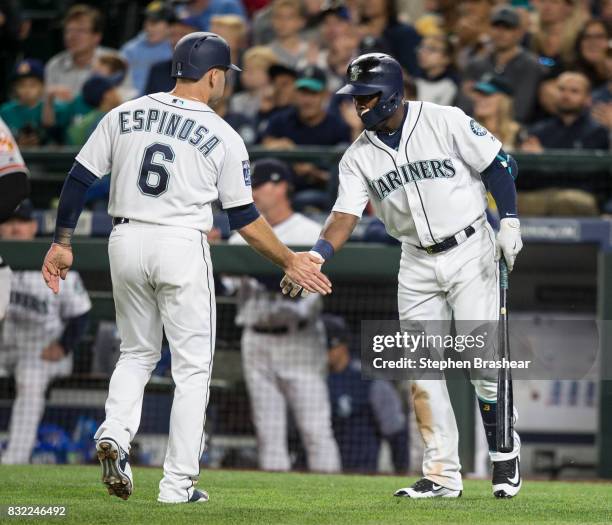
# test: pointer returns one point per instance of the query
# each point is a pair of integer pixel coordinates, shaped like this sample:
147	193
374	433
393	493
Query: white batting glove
292	288
509	242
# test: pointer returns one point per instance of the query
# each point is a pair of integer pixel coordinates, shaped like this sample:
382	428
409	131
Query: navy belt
277	330
120	220
449	243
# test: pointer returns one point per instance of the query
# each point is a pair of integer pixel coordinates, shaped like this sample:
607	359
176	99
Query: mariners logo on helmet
355	71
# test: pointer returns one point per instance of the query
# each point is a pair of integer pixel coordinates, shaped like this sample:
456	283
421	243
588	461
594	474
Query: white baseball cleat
425	488
507	478
116	470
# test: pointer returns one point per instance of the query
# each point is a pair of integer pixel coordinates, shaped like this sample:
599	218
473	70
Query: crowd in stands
537	73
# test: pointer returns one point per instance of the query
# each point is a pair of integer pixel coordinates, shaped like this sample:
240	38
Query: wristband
324	249
63	236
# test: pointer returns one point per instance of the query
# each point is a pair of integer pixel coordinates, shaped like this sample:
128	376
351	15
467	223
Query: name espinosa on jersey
411	172
170	125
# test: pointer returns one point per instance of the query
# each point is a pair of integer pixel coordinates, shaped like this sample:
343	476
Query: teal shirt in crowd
17	116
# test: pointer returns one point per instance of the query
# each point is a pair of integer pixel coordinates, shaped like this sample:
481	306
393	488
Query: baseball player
426	168
170	157
283	342
14	187
40	332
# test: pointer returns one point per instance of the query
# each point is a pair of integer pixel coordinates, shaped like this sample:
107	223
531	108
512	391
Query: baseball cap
334	7
30	67
336	330
490	84
269	170
276	70
311	78
506	16
95	88
159	11
24	211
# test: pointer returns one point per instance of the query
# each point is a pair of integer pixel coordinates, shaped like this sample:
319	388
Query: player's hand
56	264
509	242
304	272
54	352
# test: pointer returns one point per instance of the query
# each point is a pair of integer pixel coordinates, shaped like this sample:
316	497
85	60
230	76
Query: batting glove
509	242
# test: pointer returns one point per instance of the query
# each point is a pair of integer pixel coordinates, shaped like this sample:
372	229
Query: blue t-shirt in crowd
329	132
216	7
141	55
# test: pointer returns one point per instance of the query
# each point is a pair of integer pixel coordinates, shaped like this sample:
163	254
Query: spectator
116	69
471	31
572	127
201	11
151	45
592	45
67	71
508	59
255	65
379	20
24	115
334	22
363	412
308	123
493	109
277	97
288	20
558	23
437	84
41	330
101	94
240	122
235	31
159	78
283	353
602	98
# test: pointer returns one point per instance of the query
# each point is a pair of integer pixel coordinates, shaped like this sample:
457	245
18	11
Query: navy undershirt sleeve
499	179
241	216
72	199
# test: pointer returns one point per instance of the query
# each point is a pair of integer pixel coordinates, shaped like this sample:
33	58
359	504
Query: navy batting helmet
198	52
371	74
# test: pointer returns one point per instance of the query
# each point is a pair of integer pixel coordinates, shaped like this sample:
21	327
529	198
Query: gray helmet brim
359	89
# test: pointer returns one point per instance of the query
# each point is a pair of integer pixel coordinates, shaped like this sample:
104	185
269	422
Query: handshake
303	274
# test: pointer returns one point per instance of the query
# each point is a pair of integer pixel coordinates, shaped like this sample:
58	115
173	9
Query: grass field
287	499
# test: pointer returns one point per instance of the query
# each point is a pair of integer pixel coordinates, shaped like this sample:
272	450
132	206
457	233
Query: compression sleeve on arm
498	178
72	201
241	216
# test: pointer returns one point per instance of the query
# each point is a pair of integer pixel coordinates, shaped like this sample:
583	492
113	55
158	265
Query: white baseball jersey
171	158
36	316
430	188
260	306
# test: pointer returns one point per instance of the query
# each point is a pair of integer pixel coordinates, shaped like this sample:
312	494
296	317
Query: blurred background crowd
536	73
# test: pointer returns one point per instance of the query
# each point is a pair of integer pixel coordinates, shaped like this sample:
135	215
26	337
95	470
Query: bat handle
503	274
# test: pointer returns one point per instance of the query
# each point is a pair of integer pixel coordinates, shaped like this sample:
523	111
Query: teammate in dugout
283	341
40	332
170	157
426	168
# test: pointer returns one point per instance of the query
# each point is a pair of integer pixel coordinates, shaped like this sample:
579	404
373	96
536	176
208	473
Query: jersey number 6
154	177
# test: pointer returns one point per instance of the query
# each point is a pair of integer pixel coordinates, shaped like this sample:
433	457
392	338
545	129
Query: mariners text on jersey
168	124
410	172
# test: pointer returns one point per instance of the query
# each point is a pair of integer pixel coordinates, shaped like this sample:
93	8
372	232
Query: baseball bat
505	404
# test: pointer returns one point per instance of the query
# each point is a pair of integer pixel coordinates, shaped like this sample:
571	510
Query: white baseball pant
162	276
288	369
32	377
462	283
